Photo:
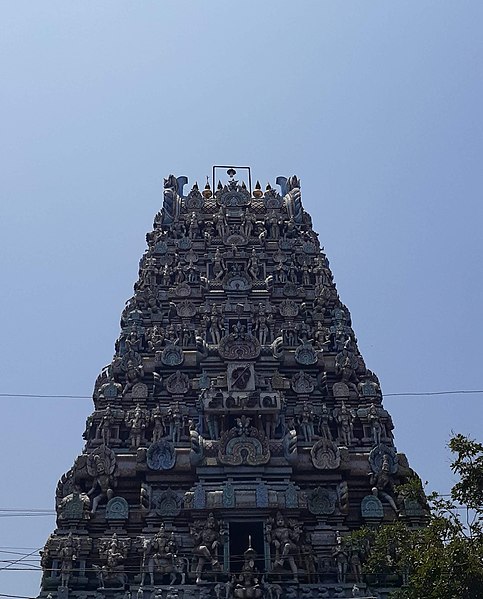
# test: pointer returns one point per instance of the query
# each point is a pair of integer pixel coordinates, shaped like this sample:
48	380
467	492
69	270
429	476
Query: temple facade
237	436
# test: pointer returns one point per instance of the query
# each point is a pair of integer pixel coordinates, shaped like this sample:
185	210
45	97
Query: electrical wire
401	394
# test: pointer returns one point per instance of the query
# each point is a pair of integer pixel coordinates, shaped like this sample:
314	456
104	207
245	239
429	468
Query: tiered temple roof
237	436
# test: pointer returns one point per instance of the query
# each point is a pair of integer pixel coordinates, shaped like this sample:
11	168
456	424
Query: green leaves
443	560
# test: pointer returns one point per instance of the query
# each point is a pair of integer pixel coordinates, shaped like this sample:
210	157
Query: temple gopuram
237	437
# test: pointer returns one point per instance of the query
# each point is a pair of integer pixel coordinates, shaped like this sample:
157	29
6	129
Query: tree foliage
443	560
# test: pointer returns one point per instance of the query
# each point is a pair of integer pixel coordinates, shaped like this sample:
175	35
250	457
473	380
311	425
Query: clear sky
375	105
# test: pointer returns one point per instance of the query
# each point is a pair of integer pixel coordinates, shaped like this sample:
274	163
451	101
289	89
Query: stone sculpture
236	389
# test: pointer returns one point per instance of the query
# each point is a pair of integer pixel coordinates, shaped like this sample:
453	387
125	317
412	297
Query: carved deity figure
112	552
136	420
254	268
220	221
345	419
68	553
375	422
248	224
219	265
340	556
157	418
382	483
284	536
248	586
216	326
207	539
306	422
175	422
105	424
324	419
159	555
101	466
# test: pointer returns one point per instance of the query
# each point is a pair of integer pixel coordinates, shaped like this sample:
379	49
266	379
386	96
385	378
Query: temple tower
237	436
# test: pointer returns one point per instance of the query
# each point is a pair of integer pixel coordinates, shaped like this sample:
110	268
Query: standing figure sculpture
284	537
68	553
207	539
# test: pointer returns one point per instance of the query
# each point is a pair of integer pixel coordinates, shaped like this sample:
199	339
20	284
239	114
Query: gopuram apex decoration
237	436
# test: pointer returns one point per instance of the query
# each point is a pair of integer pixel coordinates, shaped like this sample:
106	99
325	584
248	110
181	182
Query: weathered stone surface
237	425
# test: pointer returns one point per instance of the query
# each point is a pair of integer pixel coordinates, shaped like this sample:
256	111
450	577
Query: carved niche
172	355
161	455
372	508
239	347
117	509
376	457
167	504
186	309
302	383
305	354
178	383
322	501
243	445
325	455
237	281
289	309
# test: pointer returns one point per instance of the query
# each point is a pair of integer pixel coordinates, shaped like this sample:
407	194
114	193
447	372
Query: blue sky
375	105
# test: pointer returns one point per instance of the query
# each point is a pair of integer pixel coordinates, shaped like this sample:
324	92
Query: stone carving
306	422
236	281
177	383
378	421
175	420
376	458
239	346
322	501
341	559
160	558
137	421
132	366
199	497
218	398
110	390
261	493
194	200
140	391
161	455
112	553
228	495
383	483
101	466
75	506
117	509
207	539
248	585
172	355
167	504
196	445
284	535
290	443
186	309
372	508
325	418
305	354
303	383
325	455
69	549
345	419
243	444
289	308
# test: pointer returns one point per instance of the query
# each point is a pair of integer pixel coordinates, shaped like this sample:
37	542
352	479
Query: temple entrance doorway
240	534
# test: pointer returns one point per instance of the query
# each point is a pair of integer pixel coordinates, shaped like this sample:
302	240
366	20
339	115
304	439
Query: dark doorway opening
240	533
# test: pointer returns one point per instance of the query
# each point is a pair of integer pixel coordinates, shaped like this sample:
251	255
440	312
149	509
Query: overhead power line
401	394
